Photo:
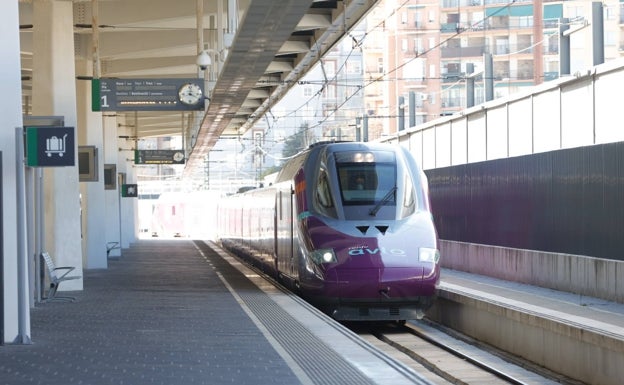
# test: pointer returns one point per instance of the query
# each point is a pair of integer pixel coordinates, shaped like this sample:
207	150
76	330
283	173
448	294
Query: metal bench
57	275
110	246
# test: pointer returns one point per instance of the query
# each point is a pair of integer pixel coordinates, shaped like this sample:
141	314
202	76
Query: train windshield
367	178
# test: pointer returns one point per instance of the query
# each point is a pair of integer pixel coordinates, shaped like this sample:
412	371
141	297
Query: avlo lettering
366	250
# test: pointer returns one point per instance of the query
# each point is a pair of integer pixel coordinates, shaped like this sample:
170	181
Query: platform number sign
50	146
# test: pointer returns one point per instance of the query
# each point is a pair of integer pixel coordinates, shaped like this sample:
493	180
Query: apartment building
431	48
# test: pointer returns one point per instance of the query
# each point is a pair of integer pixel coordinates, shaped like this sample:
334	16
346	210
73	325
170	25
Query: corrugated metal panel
613	214
539	174
568	201
593	212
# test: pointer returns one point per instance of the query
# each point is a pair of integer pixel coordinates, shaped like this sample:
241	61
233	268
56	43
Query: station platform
576	336
586	312
178	312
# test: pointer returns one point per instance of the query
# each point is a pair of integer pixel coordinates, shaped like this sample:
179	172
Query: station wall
541	170
579	110
564	201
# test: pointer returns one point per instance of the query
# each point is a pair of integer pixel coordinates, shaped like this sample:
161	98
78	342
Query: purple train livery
348	225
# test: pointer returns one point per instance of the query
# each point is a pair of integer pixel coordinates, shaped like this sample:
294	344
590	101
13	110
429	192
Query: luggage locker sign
50	146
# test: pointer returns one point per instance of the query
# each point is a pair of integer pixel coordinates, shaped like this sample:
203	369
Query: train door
276	214
284	231
294	238
280	236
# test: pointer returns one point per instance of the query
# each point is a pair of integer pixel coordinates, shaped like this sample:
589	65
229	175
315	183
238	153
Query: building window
611	38
330	67
354	67
418	45
329	91
610	12
418	19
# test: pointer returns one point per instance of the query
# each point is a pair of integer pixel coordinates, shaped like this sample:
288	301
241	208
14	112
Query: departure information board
158	156
175	94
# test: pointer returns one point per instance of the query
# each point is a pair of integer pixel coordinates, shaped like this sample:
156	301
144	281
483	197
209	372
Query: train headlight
360	157
323	256
426	254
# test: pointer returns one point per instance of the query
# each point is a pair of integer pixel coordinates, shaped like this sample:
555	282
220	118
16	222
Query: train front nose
382	284
370	294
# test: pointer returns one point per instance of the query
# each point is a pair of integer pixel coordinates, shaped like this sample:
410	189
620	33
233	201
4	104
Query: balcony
461	3
550	76
450	52
461	27
452	77
519	75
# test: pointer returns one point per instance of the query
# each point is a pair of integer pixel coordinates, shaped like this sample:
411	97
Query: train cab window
366	178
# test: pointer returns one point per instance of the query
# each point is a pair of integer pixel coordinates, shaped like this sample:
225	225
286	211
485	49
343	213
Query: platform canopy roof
258	48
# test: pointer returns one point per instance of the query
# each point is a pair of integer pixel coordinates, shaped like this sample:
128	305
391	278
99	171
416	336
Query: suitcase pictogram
55	145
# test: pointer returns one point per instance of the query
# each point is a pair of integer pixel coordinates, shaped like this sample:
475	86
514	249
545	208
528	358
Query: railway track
441	355
447	359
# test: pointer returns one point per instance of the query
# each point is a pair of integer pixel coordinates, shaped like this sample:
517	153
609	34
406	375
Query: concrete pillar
488	76
470	82
564	47
90	133
54	93
412	109
597	24
10	117
111	155
401	113
129	206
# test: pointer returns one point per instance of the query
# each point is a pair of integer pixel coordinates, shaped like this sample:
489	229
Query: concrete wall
573	111
595	277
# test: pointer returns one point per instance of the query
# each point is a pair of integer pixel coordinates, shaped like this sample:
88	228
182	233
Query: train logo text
366	251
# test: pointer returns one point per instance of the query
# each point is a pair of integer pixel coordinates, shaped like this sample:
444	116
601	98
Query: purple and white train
348	225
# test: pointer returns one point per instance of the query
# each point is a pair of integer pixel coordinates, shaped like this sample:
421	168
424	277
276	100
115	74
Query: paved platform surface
175	312
586	312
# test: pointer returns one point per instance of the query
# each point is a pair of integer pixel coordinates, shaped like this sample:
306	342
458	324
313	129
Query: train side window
323	195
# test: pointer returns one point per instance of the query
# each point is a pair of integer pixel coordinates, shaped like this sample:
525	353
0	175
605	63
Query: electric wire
383	77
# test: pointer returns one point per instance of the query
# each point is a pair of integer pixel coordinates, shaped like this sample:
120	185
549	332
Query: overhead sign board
50	146
158	156
184	94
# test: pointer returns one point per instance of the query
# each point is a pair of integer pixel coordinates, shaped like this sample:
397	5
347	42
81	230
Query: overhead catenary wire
383	77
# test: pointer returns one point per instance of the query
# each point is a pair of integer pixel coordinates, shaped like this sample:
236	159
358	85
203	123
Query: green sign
158	156
129	190
50	146
184	94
